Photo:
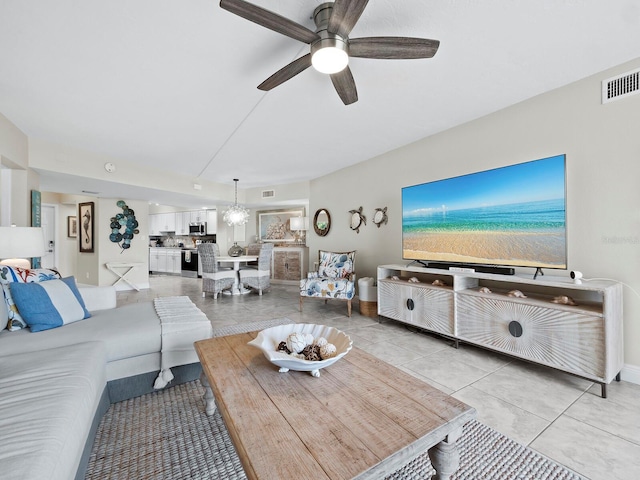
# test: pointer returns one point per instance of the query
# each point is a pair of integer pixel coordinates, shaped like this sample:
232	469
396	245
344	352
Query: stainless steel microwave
199	228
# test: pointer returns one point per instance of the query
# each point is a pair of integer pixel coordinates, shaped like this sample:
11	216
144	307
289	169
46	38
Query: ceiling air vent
268	193
621	86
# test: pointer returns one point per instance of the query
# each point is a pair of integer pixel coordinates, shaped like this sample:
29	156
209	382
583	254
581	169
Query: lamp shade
21	242
298	223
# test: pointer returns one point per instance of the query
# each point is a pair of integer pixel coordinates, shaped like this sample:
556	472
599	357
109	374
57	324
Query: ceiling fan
330	44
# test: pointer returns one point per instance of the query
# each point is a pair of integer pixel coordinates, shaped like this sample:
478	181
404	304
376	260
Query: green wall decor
36	220
126	219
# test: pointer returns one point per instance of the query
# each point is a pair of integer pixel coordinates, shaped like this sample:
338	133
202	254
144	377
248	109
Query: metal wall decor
126	219
380	217
357	219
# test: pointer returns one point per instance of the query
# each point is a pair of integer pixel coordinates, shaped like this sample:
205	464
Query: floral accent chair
335	278
259	278
214	278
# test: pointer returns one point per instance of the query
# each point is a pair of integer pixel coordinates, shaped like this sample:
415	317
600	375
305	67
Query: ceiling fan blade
270	20
345	86
286	73
344	16
393	47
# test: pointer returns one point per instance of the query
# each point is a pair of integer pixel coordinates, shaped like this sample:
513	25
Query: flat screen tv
511	216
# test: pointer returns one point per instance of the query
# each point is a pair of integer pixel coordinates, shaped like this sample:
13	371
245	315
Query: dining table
237	289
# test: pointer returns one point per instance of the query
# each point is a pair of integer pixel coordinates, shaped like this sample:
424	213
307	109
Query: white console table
583	339
122	269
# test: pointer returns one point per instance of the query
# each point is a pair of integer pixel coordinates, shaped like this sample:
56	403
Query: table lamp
18	244
299	225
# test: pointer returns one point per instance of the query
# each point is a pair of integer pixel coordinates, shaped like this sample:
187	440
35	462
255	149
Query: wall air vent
621	86
268	193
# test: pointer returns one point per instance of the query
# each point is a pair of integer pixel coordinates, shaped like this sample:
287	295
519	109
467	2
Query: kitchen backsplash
180	240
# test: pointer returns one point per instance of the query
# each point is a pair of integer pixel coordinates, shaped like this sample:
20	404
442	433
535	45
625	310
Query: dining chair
259	278
215	279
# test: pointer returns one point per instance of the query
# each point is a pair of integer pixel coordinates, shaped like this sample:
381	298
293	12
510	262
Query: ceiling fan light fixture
329	55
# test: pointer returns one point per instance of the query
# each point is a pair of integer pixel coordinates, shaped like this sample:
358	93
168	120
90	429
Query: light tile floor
559	415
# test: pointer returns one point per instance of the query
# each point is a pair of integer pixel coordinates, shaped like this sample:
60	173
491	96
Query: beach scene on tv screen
513	215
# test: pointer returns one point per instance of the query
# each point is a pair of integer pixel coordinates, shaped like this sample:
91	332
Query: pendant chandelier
236	215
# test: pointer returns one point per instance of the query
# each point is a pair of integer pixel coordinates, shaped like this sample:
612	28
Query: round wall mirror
322	222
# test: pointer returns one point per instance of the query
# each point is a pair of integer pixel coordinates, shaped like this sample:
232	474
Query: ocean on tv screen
490	218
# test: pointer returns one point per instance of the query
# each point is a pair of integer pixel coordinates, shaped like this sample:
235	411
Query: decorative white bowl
269	339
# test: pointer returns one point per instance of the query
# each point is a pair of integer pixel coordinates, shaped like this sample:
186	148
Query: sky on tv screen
513	215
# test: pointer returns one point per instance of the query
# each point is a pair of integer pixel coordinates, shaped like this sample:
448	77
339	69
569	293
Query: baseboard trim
630	373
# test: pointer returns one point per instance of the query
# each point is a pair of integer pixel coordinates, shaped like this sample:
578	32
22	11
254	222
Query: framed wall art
72	226
275	225
86	228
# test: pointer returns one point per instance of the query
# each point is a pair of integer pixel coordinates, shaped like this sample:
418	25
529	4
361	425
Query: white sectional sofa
55	385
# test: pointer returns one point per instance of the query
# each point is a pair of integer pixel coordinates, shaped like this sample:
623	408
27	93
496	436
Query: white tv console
583	339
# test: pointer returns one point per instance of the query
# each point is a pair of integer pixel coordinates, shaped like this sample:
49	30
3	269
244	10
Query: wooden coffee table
362	418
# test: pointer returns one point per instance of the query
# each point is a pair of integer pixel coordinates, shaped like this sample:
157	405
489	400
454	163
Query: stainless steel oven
189	264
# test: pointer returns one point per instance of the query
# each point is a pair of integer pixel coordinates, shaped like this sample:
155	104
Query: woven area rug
250	326
166	435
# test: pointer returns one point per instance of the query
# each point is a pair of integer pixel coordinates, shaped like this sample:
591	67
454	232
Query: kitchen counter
165	260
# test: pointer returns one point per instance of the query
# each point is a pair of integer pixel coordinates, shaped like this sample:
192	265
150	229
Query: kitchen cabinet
178	222
165	260
182	223
174	261
198	216
154	225
162	222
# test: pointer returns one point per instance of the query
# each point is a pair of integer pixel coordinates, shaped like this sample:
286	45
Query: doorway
49	227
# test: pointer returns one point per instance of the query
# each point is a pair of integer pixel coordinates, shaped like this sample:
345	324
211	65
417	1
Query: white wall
13	144
602	145
85	164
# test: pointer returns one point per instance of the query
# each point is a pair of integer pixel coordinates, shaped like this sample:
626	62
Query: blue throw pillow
10	275
49	304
